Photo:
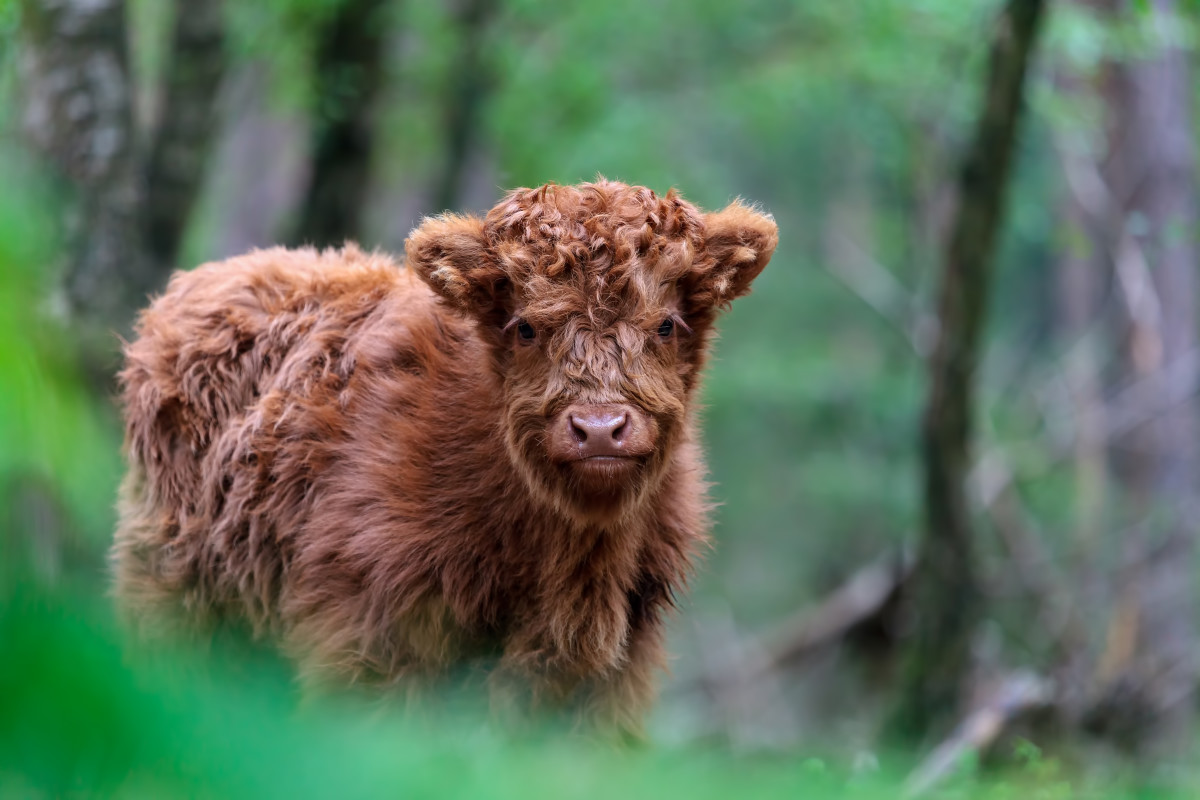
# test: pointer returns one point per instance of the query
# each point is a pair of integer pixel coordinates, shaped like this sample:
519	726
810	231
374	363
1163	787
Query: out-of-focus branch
875	285
859	600
862	597
1091	191
1006	701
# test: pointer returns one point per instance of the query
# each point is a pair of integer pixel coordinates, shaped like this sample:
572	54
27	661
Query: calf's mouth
606	466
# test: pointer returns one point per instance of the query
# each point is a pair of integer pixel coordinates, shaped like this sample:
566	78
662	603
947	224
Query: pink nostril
578	430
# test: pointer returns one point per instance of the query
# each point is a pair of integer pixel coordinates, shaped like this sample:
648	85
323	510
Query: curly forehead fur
597	227
385	469
602	239
605	237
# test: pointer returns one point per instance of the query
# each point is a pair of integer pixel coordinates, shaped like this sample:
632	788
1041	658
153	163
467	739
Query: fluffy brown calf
488	457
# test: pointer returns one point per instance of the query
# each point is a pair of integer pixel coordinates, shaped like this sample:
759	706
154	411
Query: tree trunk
468	86
349	70
946	597
186	128
1153	175
131	201
79	112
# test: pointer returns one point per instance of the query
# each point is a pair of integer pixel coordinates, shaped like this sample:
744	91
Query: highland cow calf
487	457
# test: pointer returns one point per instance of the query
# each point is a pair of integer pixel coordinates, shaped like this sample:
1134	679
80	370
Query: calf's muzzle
606	431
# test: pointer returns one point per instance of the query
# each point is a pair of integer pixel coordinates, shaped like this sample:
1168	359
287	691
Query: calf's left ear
738	243
450	254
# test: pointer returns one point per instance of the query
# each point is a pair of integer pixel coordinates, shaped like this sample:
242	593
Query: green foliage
81	718
281	35
53	434
84	717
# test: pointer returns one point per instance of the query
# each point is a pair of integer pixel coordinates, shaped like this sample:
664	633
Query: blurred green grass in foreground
78	717
81	717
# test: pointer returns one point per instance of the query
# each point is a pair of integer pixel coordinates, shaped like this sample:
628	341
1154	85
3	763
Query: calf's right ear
738	242
450	254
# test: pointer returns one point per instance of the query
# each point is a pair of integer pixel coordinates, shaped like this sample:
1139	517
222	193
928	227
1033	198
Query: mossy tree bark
79	111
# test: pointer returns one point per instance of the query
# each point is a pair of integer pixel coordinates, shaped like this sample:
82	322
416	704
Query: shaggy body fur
351	456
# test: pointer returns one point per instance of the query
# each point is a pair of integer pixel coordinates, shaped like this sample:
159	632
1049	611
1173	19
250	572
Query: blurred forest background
953	430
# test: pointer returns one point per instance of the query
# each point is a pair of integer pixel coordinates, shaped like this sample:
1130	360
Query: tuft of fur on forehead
604	238
594	249
602	227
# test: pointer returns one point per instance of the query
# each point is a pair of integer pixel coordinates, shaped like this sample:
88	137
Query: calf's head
597	302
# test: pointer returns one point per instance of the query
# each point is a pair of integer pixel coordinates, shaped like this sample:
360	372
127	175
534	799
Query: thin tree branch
858	600
1008	700
875	285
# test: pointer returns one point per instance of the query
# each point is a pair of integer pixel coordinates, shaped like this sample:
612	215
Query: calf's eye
525	331
666	328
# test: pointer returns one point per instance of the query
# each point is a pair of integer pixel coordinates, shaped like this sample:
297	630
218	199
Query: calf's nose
599	425
601	429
